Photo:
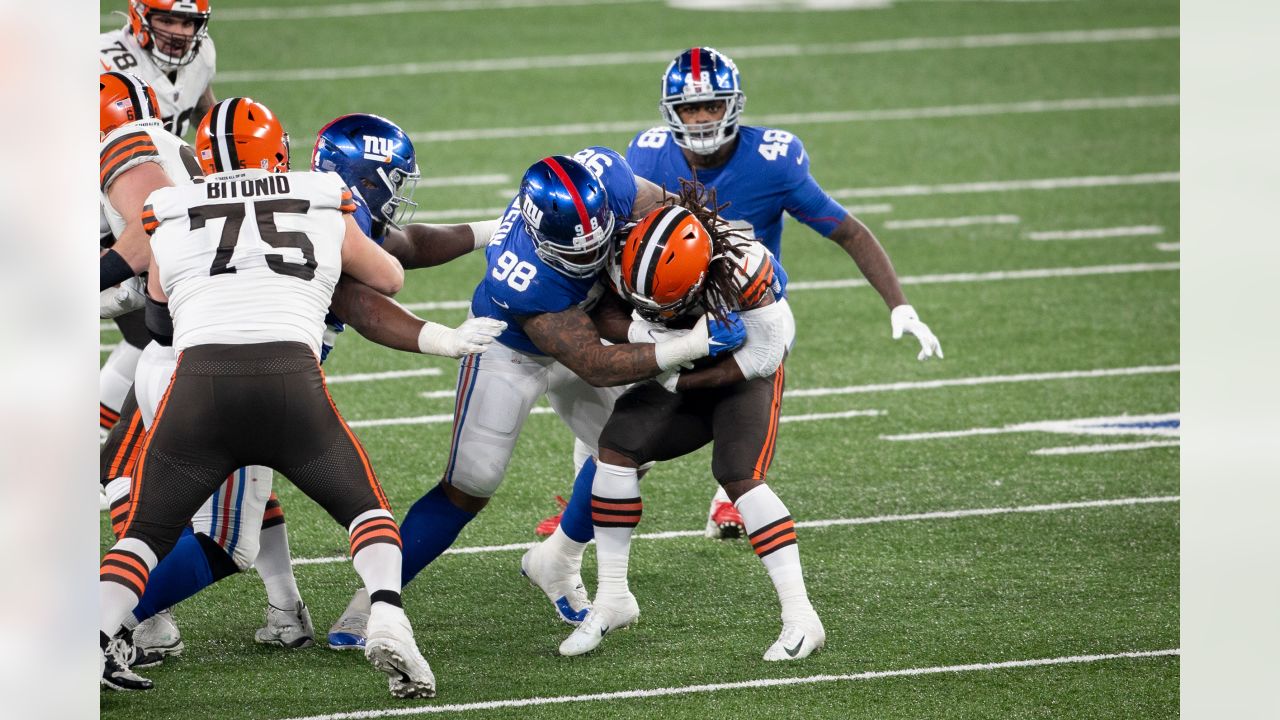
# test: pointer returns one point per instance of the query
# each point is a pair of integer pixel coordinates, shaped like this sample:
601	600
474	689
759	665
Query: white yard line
833	522
830	416
1169	247
660	57
461	180
812	118
1096	233
923	223
1060	183
396	7
878	387
996	275
744	685
1075	426
1116	447
388	375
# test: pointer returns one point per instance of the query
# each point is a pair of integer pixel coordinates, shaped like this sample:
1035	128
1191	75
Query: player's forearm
872	261
724	372
432	245
375	316
611	365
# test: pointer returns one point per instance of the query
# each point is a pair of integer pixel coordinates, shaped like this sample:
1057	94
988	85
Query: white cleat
389	646
348	632
158	635
287	628
554	575
798	640
605	615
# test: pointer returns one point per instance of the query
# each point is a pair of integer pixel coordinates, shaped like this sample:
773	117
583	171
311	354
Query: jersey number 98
515	271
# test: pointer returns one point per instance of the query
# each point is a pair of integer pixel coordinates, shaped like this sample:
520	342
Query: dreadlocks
721	289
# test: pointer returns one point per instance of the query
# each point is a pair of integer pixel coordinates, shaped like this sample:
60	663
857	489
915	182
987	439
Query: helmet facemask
586	255
400	207
703	138
158	39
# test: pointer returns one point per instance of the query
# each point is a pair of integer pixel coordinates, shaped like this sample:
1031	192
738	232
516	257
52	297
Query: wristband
113	270
432	339
483	232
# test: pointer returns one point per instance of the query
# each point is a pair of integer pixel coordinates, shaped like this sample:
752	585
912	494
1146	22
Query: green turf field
1000	120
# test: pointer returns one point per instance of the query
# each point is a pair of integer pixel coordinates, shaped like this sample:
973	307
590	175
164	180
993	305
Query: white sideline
834	522
812	118
920	223
743	685
661	57
395	7
1096	233
1117	447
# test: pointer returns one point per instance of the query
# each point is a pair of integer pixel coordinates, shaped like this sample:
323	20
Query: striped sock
122	578
615	512
773	536
375	551
273	563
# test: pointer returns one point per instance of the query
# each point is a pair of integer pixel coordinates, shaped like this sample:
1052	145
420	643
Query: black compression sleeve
159	322
113	269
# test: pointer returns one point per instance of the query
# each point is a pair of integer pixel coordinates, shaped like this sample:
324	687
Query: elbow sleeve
771	331
159	323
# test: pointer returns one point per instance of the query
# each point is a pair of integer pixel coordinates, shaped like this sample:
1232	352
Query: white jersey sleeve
249	256
131	145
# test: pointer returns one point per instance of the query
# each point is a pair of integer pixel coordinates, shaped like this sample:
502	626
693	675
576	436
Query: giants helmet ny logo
378	148
532	215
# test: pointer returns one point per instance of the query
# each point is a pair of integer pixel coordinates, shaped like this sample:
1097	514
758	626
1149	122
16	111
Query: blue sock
195	563
431	526
576	518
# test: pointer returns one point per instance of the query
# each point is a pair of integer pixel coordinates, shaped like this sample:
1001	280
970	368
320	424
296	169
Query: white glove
643	331
669	379
904	319
472	337
126	297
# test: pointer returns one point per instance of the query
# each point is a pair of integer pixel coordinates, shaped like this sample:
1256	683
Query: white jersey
135	143
249	256
178	94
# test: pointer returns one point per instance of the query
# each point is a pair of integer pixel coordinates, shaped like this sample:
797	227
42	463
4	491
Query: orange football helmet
123	98
241	133
663	263
163	44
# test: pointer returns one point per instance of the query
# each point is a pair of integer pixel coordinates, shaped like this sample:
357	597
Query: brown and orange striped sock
773	536
375	553
615	512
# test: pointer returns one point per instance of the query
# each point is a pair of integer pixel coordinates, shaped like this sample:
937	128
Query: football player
543	263
138	156
165	43
669	269
760	173
244	309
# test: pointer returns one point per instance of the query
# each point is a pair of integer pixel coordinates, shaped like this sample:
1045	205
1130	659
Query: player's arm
649	197
363	260
384	321
612	317
571	338
420	245
202	105
872	261
128	194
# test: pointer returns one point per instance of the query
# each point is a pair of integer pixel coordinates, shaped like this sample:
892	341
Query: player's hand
126	297
643	331
725	336
904	319
475	335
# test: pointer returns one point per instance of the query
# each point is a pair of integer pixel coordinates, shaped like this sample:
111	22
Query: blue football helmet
702	74
375	158
566	211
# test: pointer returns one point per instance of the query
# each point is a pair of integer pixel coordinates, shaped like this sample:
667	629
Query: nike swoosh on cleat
793	651
604	630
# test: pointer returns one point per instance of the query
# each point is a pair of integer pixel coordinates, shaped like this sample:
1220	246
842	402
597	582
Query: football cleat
134	656
158	635
549	525
391	649
287	628
724	522
348	633
114	664
556	576
798	640
603	617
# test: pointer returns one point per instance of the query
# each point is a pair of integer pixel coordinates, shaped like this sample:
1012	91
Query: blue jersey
767	174
518	284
